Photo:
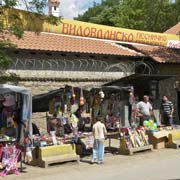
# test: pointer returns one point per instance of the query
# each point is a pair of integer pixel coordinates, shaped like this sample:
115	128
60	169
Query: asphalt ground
163	164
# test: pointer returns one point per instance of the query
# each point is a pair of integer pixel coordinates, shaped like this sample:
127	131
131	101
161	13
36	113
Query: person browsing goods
99	133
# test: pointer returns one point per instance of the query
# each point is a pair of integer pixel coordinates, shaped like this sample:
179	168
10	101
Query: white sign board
173	44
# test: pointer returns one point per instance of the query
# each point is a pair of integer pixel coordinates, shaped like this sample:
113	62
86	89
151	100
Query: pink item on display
9	160
1	151
9	100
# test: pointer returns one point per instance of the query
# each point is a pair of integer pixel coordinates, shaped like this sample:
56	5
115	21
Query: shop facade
44	68
69	60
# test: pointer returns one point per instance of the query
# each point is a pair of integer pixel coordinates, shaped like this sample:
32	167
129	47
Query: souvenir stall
68	117
69	112
159	136
15	124
72	114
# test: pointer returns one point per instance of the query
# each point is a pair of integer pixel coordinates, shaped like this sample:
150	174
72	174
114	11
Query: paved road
157	165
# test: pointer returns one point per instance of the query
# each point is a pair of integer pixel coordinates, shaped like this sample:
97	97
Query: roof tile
56	42
160	54
174	30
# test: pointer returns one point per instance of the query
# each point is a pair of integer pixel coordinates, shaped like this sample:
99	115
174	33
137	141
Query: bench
158	139
173	140
50	155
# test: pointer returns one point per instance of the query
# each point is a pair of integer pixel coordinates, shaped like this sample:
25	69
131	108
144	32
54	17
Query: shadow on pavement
85	161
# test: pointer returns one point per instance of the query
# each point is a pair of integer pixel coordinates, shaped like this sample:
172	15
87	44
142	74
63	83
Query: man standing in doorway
167	110
144	109
99	133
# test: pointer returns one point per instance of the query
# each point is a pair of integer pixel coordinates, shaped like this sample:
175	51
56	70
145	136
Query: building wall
168	86
45	71
172	69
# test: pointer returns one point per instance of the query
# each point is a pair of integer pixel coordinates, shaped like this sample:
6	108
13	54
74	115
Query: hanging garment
6	114
74	107
73	120
52	106
26	119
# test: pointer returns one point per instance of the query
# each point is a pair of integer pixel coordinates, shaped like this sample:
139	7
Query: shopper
99	133
167	110
144	109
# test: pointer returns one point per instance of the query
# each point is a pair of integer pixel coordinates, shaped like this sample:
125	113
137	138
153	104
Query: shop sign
173	44
82	29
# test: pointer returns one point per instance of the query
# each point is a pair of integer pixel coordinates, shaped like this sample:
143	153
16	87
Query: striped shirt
167	107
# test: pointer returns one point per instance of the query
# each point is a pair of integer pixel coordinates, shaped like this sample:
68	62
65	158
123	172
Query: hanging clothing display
15	110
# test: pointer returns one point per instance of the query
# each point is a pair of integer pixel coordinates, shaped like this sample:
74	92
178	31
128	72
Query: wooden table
113	135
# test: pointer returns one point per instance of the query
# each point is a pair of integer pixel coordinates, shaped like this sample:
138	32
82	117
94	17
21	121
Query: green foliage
148	15
10	3
15	27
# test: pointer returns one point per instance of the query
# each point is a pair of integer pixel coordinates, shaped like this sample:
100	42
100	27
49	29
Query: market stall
15	123
73	110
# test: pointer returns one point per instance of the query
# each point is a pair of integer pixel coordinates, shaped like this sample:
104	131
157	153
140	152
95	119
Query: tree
16	27
148	15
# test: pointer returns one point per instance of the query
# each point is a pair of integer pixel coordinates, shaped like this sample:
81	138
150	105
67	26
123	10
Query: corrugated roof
56	42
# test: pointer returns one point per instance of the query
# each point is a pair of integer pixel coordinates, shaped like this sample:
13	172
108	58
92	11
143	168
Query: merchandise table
112	135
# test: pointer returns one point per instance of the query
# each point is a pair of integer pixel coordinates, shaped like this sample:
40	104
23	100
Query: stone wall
45	71
40	120
169	69
166	87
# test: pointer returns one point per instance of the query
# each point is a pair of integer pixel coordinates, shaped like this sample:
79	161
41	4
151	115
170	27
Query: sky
71	8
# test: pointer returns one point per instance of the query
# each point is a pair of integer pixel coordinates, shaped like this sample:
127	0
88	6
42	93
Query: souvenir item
53	137
101	94
65	108
81	99
9	160
72	96
73	120
131	138
9	100
52	106
74	107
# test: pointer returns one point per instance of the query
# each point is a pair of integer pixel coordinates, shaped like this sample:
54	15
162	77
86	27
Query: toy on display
150	125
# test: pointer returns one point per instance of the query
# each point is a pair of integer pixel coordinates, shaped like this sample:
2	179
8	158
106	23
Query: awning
139	78
5	88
